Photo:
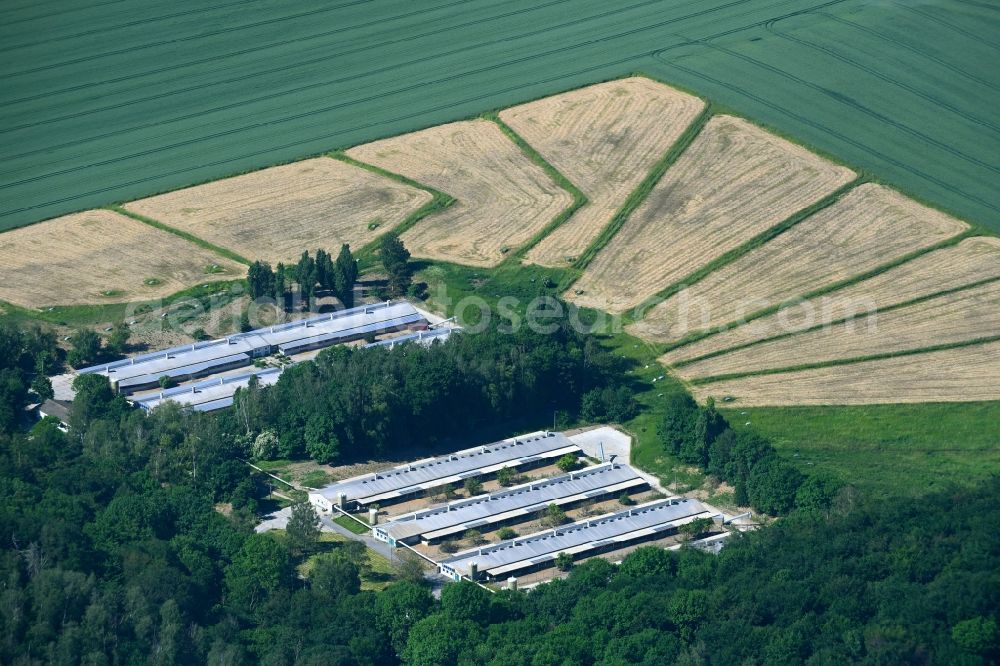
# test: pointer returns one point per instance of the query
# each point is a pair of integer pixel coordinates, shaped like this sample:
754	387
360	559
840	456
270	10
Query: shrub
568	462
505	533
505	476
554	516
473	486
475	537
564	561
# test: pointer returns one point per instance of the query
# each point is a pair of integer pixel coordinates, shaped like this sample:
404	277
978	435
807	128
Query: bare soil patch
733	182
868	227
274	214
605	138
970	261
966	315
100	256
954	375
503	198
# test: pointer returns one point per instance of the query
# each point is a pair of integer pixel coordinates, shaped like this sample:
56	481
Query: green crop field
112	100
885	450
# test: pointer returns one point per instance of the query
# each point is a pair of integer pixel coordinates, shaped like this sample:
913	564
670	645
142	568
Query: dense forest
355	404
129	540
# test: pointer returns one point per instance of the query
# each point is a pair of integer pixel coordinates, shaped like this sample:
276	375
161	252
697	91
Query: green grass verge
639	194
379	574
885	450
455	290
228	254
579	198
817	327
652	386
439	201
826	289
214	293
756	242
350	524
847	361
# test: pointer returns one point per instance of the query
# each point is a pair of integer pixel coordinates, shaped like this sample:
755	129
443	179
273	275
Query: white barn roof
456	467
645	520
204	358
210	394
518	501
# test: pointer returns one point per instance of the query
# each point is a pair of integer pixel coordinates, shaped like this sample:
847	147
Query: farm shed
510	505
209	395
206	358
610	532
404	481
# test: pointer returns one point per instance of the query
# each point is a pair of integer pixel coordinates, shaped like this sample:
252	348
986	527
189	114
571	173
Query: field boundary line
201	242
826	289
579	198
757	241
439	201
889	308
711	379
640	193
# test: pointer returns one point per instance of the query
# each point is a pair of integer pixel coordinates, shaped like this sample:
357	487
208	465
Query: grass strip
229	254
756	242
639	194
214	293
847	361
439	201
579	198
351	524
826	289
842	320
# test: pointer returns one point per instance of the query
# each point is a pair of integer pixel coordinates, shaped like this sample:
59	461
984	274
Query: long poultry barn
197	360
511	505
404	482
646	522
208	395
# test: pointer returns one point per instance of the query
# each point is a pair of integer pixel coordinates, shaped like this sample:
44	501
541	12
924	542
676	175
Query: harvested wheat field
274	214
99	256
870	226
503	198
966	374
605	138
966	315
732	183
970	261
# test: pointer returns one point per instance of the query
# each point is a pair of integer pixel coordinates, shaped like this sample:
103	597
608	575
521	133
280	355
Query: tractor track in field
278	70
912	49
849	102
940	21
120	26
232	54
180	40
784	110
61	12
408	88
875	73
292	144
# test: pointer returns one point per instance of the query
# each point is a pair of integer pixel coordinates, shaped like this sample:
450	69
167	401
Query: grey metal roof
199	368
621	527
321	336
182	360
345	323
520	500
209	392
423	337
172	361
432	472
